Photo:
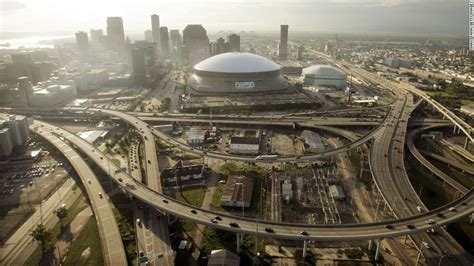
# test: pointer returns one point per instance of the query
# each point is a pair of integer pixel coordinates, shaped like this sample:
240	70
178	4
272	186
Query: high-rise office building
197	44
220	46
165	43
115	33
82	44
96	36
283	47
175	39
143	62
148	36
234	42
299	52
22	64
155	29
25	91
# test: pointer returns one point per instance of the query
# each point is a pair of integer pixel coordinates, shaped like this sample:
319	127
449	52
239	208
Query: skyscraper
143	62
219	46
116	33
82	44
283	47
234	42
96	36
149	36
155	29
175	39
165	42
22	64
197	44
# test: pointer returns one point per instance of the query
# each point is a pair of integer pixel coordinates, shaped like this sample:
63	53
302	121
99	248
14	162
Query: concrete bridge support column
454	129
305	246
238	243
371	242
466	142
377	250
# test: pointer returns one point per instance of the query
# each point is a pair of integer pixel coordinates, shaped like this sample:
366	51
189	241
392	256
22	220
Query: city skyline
438	17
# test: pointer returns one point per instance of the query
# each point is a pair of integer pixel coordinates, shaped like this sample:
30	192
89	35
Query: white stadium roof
237	63
324	71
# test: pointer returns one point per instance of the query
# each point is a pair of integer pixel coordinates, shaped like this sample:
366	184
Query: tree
61	213
42	235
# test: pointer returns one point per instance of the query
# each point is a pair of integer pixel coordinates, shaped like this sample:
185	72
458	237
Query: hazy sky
391	16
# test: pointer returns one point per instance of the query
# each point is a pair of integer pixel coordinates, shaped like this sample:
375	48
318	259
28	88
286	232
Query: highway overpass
337	232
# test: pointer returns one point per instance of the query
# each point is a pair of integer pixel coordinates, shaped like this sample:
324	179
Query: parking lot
24	186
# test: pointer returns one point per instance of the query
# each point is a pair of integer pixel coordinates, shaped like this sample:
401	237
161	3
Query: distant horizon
386	17
9	35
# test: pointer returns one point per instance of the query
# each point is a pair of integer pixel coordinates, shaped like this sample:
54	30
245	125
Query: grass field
193	195
88	238
76	207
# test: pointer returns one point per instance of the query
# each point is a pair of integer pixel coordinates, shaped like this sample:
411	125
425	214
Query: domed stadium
237	73
324	76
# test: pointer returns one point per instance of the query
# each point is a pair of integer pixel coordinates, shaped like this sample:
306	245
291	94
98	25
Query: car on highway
193	211
304	233
269	230
165	201
149	161
430	221
389	226
411	226
217	217
452	209
236	225
214	221
100	195
440	215
426	245
88	181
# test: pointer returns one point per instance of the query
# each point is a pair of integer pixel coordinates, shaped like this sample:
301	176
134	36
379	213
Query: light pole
440	259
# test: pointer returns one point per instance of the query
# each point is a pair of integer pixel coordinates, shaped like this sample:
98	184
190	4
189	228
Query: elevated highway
153	226
428	165
112	245
338	232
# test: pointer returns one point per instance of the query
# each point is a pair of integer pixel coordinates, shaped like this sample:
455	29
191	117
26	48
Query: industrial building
312	142
243	145
236	73
13	133
467	109
337	192
324	76
397	62
237	191
196	135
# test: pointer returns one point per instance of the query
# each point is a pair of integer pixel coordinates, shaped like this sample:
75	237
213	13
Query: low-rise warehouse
237	191
313	142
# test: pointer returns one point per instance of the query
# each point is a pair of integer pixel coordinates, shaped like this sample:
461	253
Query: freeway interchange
338	232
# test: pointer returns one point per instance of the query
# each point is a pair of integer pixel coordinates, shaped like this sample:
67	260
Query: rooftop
237	63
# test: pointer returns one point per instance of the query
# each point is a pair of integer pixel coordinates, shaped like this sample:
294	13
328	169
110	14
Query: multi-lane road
112	245
428	165
153	234
340	232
